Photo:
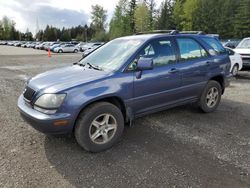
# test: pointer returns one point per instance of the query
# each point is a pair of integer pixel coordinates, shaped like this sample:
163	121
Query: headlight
49	102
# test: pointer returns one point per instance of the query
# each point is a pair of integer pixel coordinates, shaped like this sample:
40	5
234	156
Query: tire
235	70
208	101
86	131
75	51
60	51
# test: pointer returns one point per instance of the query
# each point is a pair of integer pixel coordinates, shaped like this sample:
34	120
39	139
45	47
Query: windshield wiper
94	66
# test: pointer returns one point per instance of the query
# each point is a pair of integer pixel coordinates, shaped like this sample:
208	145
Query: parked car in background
74	42
89	46
26	44
43	45
236	61
32	44
18	44
231	43
49	45
52	48
90	50
244	50
66	48
11	43
38	46
3	42
124	79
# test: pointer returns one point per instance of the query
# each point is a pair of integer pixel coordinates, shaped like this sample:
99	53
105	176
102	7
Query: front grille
28	93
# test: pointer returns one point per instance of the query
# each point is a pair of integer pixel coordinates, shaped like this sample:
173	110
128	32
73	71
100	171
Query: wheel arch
220	80
117	101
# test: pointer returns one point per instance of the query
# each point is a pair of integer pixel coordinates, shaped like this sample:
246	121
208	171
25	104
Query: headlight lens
50	101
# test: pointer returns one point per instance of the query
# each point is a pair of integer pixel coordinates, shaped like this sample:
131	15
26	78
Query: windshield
113	54
244	44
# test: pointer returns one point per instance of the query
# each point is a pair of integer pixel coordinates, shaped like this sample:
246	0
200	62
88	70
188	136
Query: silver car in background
66	48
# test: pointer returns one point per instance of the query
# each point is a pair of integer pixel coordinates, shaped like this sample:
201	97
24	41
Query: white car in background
91	49
236	61
66	48
244	50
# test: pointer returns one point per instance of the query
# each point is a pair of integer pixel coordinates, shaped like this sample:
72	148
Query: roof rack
192	32
171	32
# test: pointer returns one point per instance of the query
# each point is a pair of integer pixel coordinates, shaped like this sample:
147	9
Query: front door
158	87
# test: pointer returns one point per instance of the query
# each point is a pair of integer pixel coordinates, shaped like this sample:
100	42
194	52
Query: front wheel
75	51
99	127
210	97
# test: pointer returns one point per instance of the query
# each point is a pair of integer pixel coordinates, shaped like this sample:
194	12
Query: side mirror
145	64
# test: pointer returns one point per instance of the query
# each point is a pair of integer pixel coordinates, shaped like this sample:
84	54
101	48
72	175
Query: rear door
67	48
194	66
157	88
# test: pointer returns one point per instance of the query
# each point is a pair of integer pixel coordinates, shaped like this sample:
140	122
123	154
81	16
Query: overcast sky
58	13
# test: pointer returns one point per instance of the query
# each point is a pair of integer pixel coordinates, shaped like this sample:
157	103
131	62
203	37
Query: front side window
190	49
160	50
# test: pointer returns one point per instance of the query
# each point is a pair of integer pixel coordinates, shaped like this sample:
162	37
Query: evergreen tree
132	8
152	13
142	18
242	20
177	14
120	23
164	21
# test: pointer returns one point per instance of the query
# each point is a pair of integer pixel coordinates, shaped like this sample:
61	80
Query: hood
245	51
63	78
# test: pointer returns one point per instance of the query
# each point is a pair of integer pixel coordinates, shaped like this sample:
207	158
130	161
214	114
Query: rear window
215	44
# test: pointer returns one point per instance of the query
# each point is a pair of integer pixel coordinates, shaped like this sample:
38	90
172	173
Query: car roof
158	35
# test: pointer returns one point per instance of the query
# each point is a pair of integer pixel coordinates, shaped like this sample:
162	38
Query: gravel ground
180	147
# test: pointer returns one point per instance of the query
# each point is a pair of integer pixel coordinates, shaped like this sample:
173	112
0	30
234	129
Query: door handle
173	70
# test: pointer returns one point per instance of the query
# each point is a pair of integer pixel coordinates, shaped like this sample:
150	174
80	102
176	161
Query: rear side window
190	49
215	44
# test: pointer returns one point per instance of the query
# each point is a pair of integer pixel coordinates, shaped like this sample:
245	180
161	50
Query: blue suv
126	78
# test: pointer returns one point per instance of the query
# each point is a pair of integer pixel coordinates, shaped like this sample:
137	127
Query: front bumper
246	62
43	122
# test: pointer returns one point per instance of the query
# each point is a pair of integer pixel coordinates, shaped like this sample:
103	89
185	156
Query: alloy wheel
102	129
212	97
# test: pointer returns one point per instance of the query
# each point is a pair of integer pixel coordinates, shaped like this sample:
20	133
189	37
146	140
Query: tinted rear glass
215	44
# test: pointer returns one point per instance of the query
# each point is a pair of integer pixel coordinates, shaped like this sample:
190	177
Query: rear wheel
75	50
210	97
235	70
99	127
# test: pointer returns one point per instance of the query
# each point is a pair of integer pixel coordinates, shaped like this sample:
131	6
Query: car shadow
243	76
147	156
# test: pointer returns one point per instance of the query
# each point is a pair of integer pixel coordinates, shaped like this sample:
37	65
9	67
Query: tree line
9	32
228	18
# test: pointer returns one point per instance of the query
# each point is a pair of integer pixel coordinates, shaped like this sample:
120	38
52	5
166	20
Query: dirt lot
176	148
